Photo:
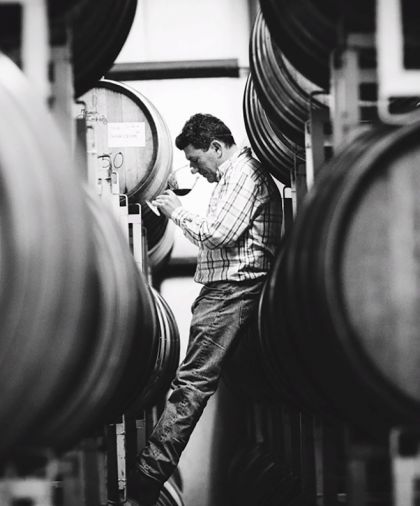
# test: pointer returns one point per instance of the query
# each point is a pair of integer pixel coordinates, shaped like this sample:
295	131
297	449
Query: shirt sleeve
232	216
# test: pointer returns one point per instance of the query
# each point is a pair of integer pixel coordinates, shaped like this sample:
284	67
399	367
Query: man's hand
167	202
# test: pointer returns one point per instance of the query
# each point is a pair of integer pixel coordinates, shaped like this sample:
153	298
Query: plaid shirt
239	236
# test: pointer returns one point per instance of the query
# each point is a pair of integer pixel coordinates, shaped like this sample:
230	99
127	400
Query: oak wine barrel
351	277
98	35
286	95
245	370
286	375
132	139
132	133
119	357
165	358
45	262
308	31
277	153
160	237
82	335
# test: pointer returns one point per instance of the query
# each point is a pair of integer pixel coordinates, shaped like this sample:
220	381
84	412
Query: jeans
220	313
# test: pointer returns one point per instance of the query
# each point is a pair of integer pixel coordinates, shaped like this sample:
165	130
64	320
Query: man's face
203	162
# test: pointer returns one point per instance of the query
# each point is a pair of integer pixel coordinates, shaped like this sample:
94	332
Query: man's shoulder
249	165
257	171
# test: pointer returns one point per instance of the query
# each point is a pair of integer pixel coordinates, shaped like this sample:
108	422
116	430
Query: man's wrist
176	214
179	215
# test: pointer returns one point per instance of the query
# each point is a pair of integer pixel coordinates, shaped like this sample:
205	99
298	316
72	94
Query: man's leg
219	312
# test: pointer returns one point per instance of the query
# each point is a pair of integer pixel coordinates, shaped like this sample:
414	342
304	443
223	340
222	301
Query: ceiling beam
185	69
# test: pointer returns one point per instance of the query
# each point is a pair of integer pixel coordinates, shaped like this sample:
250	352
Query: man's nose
194	170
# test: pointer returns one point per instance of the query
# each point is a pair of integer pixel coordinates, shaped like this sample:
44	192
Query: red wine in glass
181	181
182	191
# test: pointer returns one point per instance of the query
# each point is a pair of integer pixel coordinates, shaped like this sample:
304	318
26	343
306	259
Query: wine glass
181	181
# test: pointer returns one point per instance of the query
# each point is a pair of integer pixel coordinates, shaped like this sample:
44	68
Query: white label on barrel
127	134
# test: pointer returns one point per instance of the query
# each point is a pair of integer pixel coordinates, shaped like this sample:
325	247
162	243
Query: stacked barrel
143	165
338	315
97	35
84	337
277	101
352	293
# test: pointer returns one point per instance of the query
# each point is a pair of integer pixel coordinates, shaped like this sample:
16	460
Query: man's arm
232	217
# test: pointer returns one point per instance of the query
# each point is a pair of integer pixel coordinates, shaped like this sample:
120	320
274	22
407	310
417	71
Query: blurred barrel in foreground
132	351
119	356
349	282
83	336
45	262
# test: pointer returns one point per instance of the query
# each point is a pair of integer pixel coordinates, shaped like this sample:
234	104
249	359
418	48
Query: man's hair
201	129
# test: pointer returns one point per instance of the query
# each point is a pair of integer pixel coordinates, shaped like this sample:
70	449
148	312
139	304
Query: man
237	240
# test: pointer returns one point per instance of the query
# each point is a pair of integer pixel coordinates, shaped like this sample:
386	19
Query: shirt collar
222	168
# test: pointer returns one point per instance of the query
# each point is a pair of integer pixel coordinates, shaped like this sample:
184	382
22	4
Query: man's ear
218	147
